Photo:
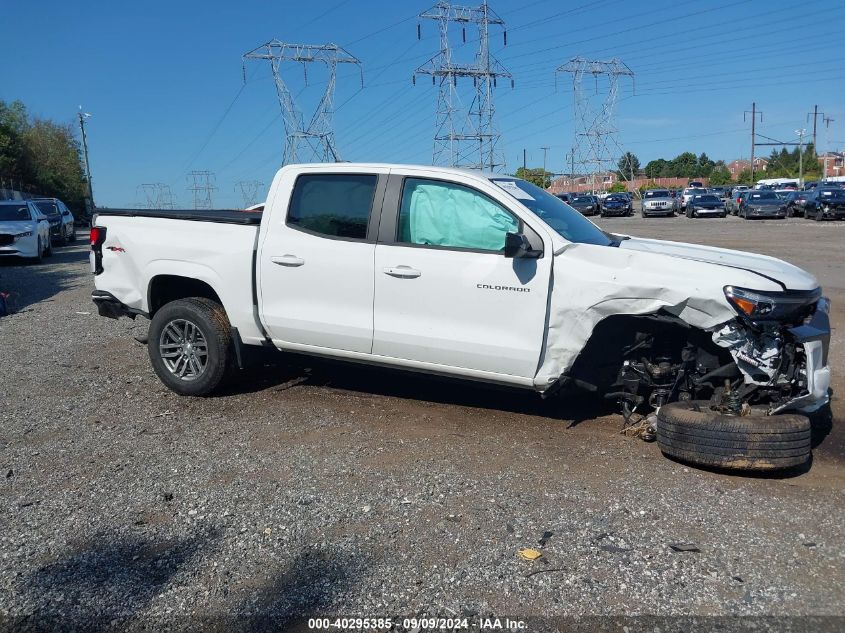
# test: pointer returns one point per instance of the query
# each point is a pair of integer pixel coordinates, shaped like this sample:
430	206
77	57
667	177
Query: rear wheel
692	432
190	346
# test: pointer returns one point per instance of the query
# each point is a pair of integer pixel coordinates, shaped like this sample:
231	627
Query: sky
164	81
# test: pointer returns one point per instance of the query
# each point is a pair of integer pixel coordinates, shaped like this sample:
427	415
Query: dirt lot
316	488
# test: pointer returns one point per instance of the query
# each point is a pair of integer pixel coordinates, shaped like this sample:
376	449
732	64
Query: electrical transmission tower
596	144
157	195
250	191
466	139
314	141
201	183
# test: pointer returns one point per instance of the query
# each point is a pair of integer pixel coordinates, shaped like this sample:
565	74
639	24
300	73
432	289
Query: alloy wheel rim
183	349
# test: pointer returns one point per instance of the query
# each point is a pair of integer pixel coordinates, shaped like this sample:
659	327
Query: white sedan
24	230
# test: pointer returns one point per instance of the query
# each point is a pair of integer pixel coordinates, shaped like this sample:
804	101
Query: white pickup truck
483	277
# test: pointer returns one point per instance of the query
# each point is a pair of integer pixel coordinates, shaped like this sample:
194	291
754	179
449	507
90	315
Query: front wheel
819	215
692	432
190	346
39	252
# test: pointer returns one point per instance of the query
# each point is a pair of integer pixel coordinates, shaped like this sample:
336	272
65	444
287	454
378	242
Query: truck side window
337	205
441	213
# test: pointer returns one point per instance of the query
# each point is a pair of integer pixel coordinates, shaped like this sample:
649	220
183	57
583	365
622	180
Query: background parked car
761	203
62	229
658	202
795	203
587	205
704	205
566	197
825	201
733	200
688	193
616	204
24	230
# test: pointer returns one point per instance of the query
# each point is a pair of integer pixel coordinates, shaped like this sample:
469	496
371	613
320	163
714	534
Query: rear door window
334	205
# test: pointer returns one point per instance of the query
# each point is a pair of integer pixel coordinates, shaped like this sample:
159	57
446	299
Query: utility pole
90	202
754	112
250	191
202	184
468	137
800	134
572	167
314	140
815	114
545	153
827	121
595	132
523	159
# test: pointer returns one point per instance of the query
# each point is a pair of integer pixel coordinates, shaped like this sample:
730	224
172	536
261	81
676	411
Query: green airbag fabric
444	214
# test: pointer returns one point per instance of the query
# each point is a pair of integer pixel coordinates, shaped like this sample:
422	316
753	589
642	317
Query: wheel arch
163	289
602	355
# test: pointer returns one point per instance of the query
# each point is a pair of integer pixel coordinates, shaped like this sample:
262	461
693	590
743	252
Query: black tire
213	324
40	250
48	250
819	215
723	215
692	432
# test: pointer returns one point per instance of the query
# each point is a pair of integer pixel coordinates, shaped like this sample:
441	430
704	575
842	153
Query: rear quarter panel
137	249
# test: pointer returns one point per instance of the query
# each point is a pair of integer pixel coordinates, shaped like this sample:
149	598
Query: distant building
736	167
835	164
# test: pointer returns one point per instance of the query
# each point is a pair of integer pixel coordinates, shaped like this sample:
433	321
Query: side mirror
517	246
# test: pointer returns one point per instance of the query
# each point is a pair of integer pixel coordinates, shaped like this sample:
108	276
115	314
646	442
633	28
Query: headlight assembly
760	305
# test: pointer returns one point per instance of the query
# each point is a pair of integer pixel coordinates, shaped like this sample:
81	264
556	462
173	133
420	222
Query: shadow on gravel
309	584
109	580
279	374
31	283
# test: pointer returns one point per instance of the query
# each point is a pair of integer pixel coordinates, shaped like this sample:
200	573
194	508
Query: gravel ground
309	488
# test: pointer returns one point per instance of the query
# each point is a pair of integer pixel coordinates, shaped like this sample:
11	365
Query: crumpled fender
590	283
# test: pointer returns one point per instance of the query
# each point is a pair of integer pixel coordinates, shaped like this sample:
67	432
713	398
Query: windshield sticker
512	188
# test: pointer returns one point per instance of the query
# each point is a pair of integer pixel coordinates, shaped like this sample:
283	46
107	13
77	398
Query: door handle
288	260
403	272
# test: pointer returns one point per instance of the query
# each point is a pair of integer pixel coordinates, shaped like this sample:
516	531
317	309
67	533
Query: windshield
707	198
659	193
565	220
584	199
763	195
47	207
695	192
14	213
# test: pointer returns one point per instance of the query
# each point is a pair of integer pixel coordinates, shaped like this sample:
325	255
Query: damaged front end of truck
654	334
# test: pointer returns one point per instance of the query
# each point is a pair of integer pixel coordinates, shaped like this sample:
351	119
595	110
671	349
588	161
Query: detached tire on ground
190	346
692	432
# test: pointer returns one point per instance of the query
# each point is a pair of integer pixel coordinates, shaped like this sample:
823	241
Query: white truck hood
792	277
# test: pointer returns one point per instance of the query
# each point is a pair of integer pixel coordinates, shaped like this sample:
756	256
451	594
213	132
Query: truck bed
223	216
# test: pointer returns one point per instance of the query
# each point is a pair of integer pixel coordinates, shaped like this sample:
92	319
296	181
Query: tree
42	155
655	168
720	175
536	176
704	166
744	177
617	187
629	166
